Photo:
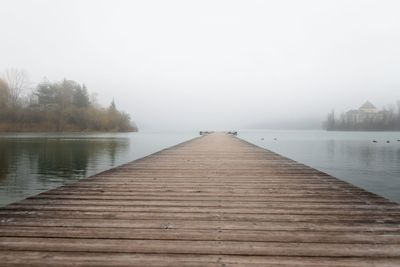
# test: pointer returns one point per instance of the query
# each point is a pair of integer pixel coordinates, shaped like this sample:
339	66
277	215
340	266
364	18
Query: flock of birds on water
387	141
373	141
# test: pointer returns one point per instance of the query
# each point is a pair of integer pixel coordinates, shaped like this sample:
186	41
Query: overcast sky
211	64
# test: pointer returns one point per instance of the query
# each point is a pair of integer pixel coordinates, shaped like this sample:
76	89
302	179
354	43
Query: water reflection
28	164
331	149
3	163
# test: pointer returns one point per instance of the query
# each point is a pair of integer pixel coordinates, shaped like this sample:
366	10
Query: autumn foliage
58	106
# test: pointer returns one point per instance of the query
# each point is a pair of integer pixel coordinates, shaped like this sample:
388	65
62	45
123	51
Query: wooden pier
212	201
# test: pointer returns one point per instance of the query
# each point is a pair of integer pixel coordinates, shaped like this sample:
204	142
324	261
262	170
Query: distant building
366	113
366	118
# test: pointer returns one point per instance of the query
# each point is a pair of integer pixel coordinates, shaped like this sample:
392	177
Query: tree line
389	120
55	106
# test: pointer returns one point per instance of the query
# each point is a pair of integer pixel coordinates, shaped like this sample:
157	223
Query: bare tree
4	94
93	100
17	81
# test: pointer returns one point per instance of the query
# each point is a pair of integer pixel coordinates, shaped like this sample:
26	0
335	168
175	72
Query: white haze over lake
212	64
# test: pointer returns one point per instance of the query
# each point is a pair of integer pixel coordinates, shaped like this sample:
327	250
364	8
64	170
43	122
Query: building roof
367	105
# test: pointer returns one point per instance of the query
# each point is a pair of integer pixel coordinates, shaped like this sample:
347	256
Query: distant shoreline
34	128
63	106
86	131
355	130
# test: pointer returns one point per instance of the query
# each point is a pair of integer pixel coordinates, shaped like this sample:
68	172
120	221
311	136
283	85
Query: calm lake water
33	163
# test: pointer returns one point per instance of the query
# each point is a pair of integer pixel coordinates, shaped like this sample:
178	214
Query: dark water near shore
32	163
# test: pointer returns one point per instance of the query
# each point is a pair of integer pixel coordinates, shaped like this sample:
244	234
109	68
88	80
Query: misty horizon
212	64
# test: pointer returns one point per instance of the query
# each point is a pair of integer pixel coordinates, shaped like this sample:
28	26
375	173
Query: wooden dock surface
213	201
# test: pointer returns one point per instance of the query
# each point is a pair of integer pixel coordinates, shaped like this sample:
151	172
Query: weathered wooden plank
191	198
208	224
283	210
204	235
24	258
253	217
200	247
218	203
290	196
220	212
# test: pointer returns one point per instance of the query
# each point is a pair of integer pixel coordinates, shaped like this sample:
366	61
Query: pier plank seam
215	200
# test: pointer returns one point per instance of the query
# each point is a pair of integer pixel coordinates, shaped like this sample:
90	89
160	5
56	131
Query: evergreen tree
81	97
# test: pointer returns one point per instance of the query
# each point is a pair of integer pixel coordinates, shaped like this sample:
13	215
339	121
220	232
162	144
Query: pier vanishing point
215	200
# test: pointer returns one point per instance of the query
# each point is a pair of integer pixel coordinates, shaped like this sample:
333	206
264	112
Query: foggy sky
211	64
